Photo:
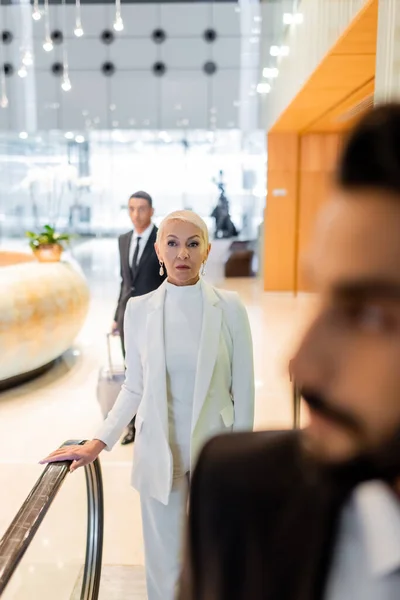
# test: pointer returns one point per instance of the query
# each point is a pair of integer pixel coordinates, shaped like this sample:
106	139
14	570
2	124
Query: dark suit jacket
262	521
147	277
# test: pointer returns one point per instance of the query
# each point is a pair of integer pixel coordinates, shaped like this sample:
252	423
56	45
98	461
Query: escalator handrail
24	526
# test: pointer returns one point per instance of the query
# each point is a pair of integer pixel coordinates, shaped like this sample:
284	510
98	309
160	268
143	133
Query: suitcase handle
110	361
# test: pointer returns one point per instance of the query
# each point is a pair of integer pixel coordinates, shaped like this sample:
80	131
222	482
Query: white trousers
163	532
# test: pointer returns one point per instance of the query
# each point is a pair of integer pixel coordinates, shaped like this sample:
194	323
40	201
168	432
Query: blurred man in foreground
315	515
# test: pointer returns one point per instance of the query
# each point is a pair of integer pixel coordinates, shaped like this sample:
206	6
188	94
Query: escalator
34	562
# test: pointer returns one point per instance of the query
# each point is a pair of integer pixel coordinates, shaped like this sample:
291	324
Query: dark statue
224	226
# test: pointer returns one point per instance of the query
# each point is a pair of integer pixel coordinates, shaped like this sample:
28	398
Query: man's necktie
135	256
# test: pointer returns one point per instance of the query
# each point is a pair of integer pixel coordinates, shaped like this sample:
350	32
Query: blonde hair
185	216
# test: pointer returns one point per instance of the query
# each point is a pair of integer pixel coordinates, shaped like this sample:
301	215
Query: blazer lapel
126	252
208	351
147	252
156	352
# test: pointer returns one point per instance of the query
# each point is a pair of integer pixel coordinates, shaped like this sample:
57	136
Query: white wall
309	42
387	80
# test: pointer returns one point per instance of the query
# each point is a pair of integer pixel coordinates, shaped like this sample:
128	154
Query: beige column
387	79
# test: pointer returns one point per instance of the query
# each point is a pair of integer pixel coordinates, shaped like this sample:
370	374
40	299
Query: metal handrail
296	405
23	528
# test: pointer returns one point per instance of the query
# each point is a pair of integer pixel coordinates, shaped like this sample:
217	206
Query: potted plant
47	245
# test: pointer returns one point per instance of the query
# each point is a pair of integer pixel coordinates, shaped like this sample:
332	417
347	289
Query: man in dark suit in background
139	267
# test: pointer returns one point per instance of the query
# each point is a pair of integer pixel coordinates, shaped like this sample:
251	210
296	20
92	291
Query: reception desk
42	309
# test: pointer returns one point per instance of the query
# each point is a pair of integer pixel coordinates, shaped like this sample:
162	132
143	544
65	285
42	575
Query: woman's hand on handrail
79	455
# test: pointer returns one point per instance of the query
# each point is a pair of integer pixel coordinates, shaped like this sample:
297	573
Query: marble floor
37	417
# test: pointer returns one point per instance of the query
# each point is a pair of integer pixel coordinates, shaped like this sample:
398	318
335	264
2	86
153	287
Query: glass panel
53	564
82	184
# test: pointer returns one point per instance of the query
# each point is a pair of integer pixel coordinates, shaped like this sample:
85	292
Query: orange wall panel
318	159
280	224
280	234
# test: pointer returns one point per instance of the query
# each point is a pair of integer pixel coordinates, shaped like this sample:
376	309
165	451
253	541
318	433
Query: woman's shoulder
138	302
228	299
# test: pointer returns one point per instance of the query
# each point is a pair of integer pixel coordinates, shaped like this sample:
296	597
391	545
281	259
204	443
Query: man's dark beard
320	405
379	463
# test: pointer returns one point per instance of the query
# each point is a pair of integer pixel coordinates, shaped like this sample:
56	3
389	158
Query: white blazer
224	385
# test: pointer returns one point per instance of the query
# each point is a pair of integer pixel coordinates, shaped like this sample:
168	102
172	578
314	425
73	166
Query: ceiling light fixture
79	139
293	19
48	45
66	83
4	100
270	72
23	135
36	15
69	135
27	58
22	72
78	31
118	23
263	88
279	50
48	42
3	86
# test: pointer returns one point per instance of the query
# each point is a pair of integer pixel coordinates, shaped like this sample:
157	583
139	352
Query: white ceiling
134	97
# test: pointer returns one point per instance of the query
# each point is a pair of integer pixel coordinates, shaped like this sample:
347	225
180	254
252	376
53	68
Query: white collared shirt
366	563
144	238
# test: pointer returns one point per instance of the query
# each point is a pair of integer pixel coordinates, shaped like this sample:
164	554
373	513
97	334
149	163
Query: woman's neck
192	281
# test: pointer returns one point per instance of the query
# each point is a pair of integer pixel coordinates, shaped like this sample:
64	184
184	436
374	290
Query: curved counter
42	309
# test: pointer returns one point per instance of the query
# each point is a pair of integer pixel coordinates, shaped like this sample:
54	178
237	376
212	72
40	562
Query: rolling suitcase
109	382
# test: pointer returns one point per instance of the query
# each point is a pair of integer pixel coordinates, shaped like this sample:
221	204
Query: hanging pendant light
4	100
36	14
66	82
22	72
118	23
3	86
3	96
78	31
48	42
27	59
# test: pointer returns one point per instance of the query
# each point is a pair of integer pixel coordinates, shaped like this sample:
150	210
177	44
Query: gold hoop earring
161	268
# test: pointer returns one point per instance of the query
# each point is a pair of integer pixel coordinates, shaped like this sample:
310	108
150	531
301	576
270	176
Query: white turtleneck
183	318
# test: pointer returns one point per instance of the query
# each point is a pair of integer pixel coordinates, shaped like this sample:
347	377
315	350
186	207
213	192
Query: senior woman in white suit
189	376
